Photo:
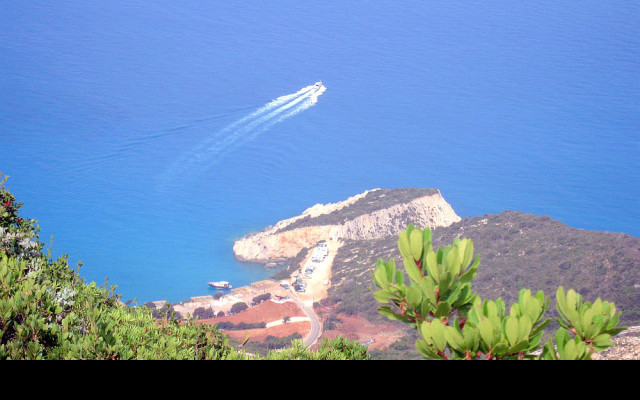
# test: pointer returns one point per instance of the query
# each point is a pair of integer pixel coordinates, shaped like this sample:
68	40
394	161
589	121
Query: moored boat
220	285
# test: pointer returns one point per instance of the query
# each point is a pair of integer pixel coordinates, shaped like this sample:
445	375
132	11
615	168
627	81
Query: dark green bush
203	313
238	308
260	298
230	326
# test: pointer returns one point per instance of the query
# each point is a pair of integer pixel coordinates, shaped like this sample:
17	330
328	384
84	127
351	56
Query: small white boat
220	285
318	84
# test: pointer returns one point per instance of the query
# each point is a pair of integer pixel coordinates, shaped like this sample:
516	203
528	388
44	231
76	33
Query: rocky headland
373	214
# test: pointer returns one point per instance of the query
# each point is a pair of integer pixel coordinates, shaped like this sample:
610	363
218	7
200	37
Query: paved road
316	327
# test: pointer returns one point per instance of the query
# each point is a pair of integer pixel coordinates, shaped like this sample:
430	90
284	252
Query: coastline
275	311
310	242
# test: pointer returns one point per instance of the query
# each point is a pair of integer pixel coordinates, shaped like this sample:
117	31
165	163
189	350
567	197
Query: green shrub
203	313
260	298
48	312
335	349
455	323
238	308
230	326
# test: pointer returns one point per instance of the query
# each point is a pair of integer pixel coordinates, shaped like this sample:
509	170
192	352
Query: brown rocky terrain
265	312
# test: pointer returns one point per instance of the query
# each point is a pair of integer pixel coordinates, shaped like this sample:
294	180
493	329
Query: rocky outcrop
373	214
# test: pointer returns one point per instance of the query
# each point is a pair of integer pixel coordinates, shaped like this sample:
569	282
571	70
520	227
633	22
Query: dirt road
316	325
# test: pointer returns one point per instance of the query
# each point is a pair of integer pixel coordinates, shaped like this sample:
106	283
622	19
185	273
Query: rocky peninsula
373	214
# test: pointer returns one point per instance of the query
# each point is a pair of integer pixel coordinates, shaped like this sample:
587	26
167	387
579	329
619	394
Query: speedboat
318	84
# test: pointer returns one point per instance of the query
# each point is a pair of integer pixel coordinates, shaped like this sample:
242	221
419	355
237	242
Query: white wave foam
309	101
213	148
243	133
267	107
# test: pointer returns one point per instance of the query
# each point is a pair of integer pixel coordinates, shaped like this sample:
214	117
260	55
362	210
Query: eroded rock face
373	214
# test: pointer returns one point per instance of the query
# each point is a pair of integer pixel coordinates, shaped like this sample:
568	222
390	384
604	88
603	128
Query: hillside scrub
455	323
374	200
48	312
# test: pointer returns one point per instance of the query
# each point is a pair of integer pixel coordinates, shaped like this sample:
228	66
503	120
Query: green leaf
602	341
518	347
570	351
415	241
524	327
455	339
427	237
511	330
425	350
383	296
451	261
490	309
486	332
445	282
468	253
390	267
561	300
471	273
432	266
399	278
380	276
500	349
572	300
403	244
436	332
443	309
414	296
387	312
471	338
562	338
412	270
429	289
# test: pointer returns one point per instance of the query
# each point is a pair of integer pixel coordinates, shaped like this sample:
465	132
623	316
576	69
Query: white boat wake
213	149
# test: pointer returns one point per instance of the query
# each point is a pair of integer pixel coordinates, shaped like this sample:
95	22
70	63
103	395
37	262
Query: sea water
125	126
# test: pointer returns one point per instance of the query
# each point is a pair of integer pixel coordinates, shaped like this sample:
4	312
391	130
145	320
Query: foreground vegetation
48	312
437	300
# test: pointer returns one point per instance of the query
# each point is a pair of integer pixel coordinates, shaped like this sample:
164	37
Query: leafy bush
50	318
204	313
336	349
218	296
331	323
455	323
238	308
260	298
230	326
48	312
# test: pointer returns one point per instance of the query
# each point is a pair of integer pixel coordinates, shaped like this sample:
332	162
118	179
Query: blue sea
131	129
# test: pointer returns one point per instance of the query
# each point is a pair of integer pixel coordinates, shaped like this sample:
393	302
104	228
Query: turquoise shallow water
532	107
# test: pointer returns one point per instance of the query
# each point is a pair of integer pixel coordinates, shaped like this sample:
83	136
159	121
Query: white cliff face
432	211
315	211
